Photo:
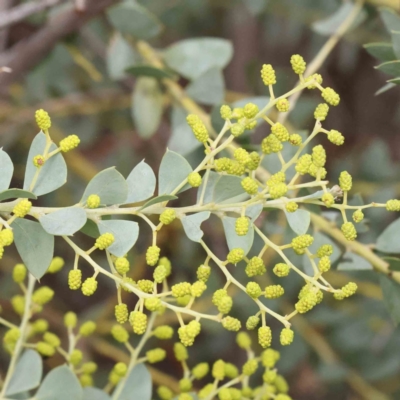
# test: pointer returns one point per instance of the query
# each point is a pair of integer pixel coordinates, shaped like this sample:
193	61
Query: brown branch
27	54
23	11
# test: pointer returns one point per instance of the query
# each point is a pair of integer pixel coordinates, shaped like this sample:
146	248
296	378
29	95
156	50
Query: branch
23	11
26	55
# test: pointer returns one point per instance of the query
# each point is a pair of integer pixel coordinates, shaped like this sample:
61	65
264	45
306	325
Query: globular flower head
286	336
22	208
56	264
75	279
194	179
180	351
43	120
121	313
328	199
163	332
295	139
152	304
93	201
282	105
281	270
345	181
52	339
253	290
349	231
393	205
250	110
45	349
89	286
335	137
250	367
235	255
226	112
319	156
199	371
19	273
358	216
218	370
243	340
255	267
298	64
268	74
75	357
291	206
122	265
38	161
160	273
203	273
317	78
198	288
119	333
156	355
42	295
231	324
330	96
321	112
152	255
278	129
70	319
138	320
264	336
87	328
252	322
165	393
274	291
167	216
69	143
269	358
199	129
324	264
105	240
242	225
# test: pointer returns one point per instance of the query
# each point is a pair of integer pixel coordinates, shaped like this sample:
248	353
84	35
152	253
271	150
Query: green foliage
27	374
34	245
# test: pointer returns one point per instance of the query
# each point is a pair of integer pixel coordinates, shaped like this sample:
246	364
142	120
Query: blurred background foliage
121	77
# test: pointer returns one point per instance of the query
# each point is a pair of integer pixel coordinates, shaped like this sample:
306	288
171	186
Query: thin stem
23	333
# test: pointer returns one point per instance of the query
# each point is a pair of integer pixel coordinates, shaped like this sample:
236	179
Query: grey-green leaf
209	190
6	170
60	384
52	175
147	106
388	241
174	169
391	297
27	374
354	262
234	241
193	57
141	183
394	263
390	19
120	56
254	211
328	26
125	234
396	43
158	199
109	185
137	385
191	225
66	221
228	187
299	220
133	19
390	67
34	245
182	139
382	51
149	71
208	88
16	194
91	393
